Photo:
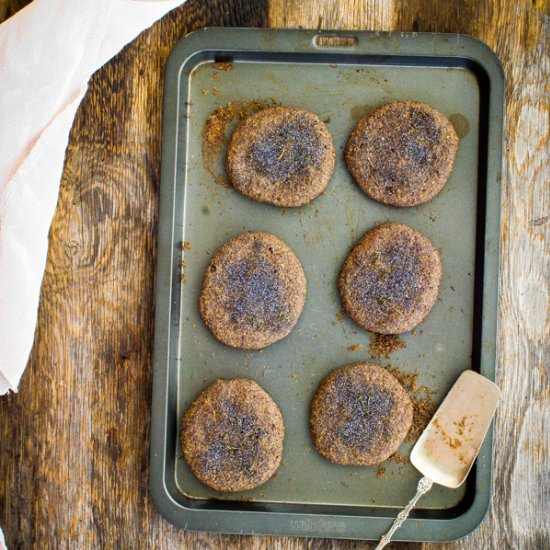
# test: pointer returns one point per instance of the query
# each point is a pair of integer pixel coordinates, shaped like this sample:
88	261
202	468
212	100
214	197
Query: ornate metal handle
424	485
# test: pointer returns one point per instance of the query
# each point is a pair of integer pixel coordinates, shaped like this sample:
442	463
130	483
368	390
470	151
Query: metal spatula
447	448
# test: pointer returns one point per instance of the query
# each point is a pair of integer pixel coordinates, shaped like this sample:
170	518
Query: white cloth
48	51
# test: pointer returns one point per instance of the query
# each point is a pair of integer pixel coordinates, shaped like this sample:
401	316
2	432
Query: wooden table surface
74	441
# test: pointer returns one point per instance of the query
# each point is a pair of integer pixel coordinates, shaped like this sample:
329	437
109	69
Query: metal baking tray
310	496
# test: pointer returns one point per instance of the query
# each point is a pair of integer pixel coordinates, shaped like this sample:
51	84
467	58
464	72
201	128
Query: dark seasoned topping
288	151
235	442
254	296
417	141
390	279
406	149
364	410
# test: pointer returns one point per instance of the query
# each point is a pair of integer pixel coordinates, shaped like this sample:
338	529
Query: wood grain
74	441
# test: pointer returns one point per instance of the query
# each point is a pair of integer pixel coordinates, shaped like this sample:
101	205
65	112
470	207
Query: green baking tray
310	496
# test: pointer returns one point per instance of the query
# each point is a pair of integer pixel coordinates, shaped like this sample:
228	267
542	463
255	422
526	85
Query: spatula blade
447	449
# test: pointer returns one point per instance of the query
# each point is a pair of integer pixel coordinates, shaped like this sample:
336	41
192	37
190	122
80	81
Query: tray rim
287	523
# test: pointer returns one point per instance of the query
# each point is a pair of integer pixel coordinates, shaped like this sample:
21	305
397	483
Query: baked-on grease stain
460	124
359	111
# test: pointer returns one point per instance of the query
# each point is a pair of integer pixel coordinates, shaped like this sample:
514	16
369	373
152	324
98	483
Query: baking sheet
340	88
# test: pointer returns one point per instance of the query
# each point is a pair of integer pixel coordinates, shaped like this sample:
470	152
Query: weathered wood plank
73	467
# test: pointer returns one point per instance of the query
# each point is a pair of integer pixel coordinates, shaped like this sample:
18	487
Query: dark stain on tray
460	124
359	111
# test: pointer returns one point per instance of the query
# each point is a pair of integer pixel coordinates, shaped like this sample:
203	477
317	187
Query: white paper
48	51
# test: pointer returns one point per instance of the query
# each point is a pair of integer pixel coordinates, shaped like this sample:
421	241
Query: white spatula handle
424	485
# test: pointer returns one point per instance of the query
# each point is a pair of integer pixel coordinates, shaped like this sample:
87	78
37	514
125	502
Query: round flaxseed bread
253	292
390	280
402	153
282	156
360	415
232	435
